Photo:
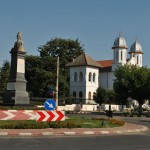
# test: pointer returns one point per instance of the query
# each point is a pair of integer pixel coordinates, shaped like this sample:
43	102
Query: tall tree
103	95
67	50
41	70
4	75
132	81
38	76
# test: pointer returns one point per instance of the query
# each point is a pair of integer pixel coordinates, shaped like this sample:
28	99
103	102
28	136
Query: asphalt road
119	142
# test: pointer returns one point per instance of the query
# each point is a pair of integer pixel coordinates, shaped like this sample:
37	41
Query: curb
127	128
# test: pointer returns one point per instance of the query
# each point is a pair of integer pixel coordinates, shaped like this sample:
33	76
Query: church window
137	60
116	55
75	76
90	76
81	76
89	95
94	95
94	77
74	94
121	55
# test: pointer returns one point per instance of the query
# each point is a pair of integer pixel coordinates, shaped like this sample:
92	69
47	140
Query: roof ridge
85	58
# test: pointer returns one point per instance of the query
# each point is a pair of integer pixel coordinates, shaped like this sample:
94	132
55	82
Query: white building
86	74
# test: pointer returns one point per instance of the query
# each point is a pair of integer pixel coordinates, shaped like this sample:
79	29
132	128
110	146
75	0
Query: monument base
16	97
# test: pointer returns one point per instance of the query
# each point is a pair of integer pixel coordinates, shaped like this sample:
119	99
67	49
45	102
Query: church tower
136	53
120	52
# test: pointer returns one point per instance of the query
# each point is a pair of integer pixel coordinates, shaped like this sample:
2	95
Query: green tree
132	81
38	76
103	95
67	50
4	76
100	96
111	95
41	70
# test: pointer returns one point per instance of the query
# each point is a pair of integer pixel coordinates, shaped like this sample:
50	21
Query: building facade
86	74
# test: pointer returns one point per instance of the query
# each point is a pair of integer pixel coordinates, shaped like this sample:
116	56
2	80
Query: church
87	74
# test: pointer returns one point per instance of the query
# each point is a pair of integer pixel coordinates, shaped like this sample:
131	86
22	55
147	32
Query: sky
95	23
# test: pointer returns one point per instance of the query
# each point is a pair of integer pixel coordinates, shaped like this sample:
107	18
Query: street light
57	82
109	113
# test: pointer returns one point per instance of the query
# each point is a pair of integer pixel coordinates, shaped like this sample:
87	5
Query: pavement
126	129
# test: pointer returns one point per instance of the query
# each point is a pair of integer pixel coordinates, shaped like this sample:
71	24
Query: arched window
116	55
140	60
90	76
81	76
75	76
94	95
94	77
74	93
89	95
137	60
121	55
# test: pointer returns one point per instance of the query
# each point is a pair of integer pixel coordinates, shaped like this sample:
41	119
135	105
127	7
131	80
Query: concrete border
126	129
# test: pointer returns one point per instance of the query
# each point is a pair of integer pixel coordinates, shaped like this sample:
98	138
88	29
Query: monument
16	87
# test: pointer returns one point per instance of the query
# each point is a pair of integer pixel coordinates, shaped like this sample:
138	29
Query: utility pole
57	82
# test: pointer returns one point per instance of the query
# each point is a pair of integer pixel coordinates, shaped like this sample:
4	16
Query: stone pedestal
16	87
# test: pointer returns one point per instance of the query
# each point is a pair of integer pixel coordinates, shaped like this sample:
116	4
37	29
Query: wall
106	80
86	108
85	86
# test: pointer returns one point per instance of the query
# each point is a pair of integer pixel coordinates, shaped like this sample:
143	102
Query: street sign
49	104
48	116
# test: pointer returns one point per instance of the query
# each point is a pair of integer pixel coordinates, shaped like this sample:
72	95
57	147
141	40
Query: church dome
120	42
136	48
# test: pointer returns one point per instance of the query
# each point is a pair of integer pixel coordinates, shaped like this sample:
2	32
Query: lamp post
57	82
109	112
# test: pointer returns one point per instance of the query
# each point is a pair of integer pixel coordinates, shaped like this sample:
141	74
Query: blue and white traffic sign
49	104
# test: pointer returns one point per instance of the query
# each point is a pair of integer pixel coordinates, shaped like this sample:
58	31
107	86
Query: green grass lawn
73	122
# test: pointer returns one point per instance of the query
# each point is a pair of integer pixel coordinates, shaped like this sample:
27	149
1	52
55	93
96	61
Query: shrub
78	122
115	121
147	114
63	125
23	124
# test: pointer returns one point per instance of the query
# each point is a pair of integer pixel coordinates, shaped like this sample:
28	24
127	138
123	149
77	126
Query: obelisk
16	87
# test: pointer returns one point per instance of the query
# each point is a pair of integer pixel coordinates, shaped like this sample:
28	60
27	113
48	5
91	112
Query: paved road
137	120
119	142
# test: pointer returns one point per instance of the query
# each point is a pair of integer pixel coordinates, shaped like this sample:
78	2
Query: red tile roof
106	63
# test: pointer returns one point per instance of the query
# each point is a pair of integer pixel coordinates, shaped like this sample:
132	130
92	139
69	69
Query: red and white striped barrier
50	116
18	114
